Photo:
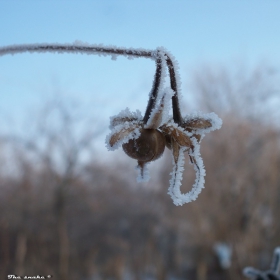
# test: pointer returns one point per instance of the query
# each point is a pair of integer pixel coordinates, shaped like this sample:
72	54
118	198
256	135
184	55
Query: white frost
167	104
127	125
78	47
176	179
134	133
177	175
161	108
125	114
176	70
216	122
143	173
159	53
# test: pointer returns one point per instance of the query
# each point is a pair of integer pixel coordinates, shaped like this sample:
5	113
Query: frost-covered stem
154	91
111	50
177	117
75	48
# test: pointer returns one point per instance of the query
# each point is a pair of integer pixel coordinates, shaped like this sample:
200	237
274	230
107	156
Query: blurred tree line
66	214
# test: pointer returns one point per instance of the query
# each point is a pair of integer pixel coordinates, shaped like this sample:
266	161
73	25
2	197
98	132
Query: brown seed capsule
149	146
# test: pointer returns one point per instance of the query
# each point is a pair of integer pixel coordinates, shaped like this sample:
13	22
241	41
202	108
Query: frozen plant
145	138
272	274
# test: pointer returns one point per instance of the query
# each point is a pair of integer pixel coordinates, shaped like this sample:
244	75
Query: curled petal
118	121
159	114
196	123
177	134
125	116
202	123
177	173
175	151
122	134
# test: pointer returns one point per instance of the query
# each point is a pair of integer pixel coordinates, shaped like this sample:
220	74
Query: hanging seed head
147	147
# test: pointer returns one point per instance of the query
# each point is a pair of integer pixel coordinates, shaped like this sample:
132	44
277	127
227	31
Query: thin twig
112	50
154	91
76	48
175	101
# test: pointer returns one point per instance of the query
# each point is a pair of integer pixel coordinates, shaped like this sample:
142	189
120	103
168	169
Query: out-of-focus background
71	209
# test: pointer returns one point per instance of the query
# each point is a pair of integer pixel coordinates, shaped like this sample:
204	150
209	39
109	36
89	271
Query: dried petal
177	173
202	123
122	134
196	123
117	121
175	151
155	118
159	114
179	136
125	116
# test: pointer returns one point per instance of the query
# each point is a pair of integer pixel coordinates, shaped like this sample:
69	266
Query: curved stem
177	117
111	50
154	91
76	48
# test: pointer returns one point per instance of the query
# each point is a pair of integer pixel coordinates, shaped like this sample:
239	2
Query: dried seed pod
147	147
196	123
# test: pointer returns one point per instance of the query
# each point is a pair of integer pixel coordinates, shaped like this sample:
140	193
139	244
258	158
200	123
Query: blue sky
195	32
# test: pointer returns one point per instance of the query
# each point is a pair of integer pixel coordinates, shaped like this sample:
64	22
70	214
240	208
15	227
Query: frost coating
143	173
176	127
160	113
184	140
176	179
79	47
177	175
176	70
159	54
216	122
121	134
185	134
125	115
168	94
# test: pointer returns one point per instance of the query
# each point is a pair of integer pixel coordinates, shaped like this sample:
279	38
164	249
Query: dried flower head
146	143
145	138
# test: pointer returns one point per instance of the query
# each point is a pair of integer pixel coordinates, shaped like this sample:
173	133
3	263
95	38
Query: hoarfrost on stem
144	138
